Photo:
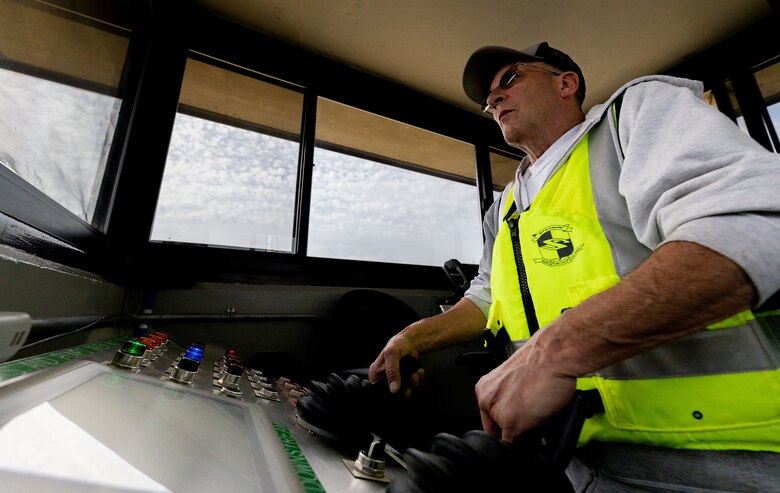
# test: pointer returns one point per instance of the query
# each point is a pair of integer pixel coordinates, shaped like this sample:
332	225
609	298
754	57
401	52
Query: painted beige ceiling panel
423	45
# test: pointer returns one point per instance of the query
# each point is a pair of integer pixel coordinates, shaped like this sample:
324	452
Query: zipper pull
512	223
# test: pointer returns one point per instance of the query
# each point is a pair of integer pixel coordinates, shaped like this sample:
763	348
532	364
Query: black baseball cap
484	63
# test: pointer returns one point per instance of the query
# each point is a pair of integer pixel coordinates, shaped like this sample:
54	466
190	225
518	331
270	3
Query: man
625	256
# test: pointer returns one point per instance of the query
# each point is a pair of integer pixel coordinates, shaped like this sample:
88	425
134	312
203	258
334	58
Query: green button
134	348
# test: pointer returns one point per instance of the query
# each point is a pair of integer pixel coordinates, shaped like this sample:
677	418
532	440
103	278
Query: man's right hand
460	324
388	362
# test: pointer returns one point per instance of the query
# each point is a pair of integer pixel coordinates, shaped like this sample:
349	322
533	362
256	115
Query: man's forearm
680	289
461	323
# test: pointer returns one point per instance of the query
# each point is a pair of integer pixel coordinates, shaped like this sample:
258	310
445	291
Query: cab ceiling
424	44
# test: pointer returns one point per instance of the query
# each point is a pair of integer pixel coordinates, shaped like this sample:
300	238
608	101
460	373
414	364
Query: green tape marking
301	466
19	367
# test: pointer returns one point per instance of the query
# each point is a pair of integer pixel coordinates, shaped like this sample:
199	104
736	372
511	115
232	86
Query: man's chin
512	139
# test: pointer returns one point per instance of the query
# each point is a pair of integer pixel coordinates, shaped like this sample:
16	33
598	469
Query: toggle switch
166	337
159	342
150	345
371	464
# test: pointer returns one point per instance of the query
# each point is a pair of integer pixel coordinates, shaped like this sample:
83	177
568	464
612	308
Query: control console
148	414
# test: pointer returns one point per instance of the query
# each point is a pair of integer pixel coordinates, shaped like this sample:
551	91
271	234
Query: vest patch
556	246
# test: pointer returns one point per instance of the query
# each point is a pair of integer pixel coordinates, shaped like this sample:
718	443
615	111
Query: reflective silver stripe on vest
751	347
771	325
518	344
611	208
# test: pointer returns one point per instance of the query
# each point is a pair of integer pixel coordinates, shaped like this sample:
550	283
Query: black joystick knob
536	461
351	408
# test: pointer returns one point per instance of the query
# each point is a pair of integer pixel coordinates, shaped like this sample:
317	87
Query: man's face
522	107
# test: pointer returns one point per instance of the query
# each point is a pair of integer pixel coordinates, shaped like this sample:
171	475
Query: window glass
59	96
737	110
768	80
502	169
389	192
231	170
774	115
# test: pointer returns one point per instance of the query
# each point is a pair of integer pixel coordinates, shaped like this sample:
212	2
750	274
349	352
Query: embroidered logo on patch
556	246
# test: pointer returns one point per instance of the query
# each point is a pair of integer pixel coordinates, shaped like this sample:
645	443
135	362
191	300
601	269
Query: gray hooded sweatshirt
688	173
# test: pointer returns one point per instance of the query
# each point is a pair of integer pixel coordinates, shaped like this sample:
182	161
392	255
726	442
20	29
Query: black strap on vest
522	278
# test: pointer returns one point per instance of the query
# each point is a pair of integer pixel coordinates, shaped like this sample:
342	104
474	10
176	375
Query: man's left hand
521	394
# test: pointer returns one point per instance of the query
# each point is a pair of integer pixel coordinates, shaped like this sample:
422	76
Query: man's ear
570	82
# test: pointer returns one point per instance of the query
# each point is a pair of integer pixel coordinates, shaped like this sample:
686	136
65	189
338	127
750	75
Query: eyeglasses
509	77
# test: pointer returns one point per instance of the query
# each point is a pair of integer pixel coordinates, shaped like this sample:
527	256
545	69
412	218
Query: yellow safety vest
718	389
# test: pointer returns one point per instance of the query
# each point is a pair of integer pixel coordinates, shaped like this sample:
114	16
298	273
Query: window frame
32	221
737	59
218	39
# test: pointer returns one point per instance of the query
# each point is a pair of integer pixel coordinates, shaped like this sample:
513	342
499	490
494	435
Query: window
502	169
760	92
768	80
735	104
231	171
60	75
389	192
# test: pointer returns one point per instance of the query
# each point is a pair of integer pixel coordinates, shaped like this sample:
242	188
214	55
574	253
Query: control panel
148	414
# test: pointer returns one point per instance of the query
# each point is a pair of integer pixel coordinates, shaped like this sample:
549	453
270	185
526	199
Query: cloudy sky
56	137
228	186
